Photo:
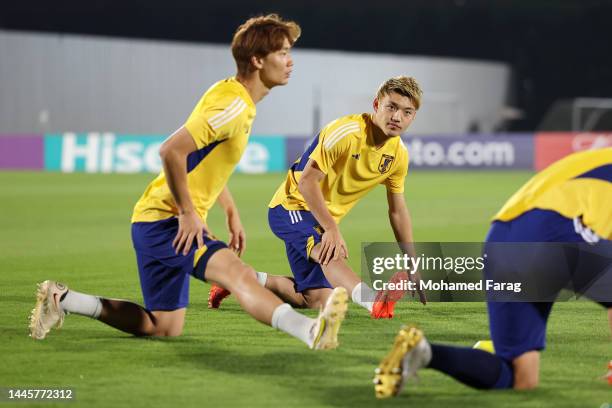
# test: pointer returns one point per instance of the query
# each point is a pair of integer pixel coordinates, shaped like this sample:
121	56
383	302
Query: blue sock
473	367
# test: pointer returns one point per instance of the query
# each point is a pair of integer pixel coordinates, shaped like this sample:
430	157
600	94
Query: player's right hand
332	246
191	227
416	278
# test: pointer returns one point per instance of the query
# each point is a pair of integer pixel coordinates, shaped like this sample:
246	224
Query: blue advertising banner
495	151
295	147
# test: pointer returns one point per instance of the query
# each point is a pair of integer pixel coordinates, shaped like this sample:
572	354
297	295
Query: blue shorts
301	232
519	327
164	275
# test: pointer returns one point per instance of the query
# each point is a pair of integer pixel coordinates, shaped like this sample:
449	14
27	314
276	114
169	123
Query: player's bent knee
526	383
527	371
159	331
168	323
173	332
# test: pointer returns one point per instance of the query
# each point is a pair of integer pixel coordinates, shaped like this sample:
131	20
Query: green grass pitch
75	229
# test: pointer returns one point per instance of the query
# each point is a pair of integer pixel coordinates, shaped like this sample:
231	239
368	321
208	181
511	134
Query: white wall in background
56	82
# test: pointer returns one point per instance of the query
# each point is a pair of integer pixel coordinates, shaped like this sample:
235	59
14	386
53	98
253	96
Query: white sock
82	304
262	278
291	322
363	295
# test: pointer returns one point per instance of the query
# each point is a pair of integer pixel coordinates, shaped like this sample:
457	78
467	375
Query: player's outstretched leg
54	300
337	272
281	286
225	269
340	274
411	352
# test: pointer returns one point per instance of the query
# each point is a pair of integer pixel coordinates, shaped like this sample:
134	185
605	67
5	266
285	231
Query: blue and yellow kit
353	165
552	234
220	126
580	185
345	151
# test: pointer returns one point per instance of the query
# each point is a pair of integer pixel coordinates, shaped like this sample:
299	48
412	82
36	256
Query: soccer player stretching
169	231
569	202
348	158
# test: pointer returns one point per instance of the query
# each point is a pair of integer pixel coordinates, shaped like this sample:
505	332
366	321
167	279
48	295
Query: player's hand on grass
237	236
397	278
332	246
422	296
395	295
191	227
416	278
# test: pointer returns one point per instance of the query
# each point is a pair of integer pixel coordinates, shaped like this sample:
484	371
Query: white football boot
325	331
47	313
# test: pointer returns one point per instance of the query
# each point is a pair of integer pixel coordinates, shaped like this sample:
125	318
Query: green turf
75	228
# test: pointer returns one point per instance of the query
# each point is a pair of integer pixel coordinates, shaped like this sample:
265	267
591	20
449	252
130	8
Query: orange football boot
216	296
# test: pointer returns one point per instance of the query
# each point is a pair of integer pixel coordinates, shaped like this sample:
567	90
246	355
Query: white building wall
55	83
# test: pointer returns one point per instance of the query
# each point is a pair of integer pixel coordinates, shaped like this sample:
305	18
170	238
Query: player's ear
257	62
375	104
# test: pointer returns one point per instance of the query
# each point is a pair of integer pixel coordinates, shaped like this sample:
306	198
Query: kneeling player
169	233
570	203
347	159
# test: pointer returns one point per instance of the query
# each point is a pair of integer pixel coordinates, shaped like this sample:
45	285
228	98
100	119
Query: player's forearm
311	191
401	223
176	177
226	201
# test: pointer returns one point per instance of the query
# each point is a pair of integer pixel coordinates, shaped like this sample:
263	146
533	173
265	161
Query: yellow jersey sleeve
395	181
217	118
579	185
334	143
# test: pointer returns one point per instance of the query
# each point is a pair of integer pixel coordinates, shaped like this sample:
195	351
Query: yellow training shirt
220	125
345	151
579	185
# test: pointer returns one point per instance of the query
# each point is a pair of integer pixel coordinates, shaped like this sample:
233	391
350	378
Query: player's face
277	66
393	113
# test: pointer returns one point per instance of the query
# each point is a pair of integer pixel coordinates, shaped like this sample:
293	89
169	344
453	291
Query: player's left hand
237	236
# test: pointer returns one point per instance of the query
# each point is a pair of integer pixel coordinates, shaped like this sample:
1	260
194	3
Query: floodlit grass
75	228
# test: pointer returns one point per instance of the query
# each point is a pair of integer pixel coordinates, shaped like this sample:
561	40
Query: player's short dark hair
259	36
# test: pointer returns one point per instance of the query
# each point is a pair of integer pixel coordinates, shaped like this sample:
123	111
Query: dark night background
557	49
